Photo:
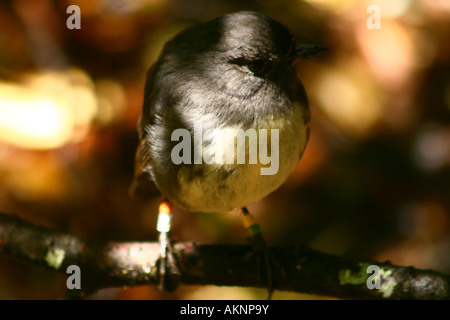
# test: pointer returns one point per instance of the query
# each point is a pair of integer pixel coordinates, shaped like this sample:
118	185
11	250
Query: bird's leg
260	248
169	272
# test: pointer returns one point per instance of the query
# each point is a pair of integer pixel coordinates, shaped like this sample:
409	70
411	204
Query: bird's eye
257	66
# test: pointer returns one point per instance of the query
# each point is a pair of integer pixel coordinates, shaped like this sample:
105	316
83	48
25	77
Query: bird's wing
143	185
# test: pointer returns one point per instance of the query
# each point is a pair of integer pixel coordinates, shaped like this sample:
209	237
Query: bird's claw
168	271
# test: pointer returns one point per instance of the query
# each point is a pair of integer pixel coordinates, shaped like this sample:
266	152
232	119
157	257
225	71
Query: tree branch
110	264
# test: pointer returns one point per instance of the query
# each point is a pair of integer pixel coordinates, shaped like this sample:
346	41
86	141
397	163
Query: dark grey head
238	67
246	35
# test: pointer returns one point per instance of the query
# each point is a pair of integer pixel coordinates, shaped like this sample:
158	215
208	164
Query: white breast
228	186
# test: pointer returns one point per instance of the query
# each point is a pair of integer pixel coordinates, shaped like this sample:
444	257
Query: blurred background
374	181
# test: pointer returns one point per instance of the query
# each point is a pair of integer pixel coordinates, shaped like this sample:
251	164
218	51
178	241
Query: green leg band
255	229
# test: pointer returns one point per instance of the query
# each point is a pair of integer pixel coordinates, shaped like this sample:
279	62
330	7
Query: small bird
214	87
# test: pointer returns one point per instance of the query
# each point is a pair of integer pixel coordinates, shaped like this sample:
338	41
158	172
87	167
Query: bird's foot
168	271
265	260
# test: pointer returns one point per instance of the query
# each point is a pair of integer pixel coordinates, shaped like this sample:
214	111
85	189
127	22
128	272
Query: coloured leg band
249	223
164	217
255	229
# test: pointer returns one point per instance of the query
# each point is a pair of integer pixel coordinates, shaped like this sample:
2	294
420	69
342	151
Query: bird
226	85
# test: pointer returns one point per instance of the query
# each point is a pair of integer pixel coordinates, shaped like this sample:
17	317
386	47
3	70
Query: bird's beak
307	50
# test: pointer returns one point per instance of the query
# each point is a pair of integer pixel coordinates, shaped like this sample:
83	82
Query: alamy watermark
374	20
74	20
228	146
74	280
374	280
